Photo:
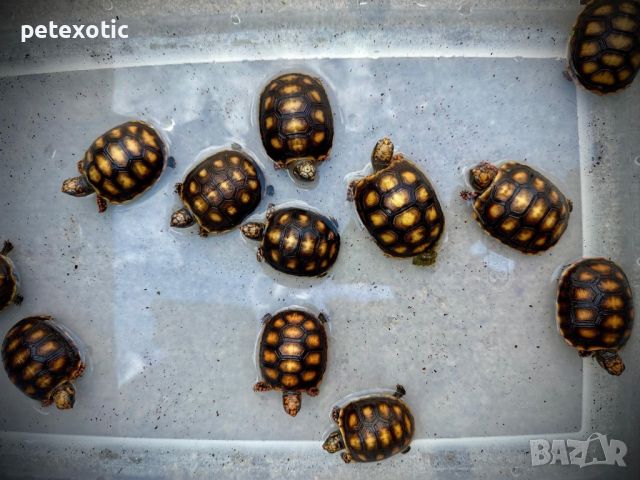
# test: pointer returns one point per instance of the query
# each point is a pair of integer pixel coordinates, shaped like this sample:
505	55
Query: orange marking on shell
290	89
608	285
495	211
274	236
315	95
422	195
31	370
504	191
602	11
313	359
318	116
370	441
610	338
290	366
118	155
521	176
104	165
509	224
20	357
271	373
613	322
522	200
387	182
297	145
318	137
619	41
589	67
313	341
269	356
585	315
353	421
140	169
594	28
603	78
149	139
612	302
308	376
133	146
586	276
292	331
291	349
295	125
611	60
44	381
354	442
272	338
416	235
397	431
397	200
57	364
125	180
602	268
289	381
150	156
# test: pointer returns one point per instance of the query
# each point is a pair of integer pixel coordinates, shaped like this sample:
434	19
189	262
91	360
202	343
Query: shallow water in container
170	319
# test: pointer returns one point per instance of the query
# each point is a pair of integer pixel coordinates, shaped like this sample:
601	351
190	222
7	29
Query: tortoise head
291	402
334	442
482	175
253	230
382	154
64	396
305	169
77	186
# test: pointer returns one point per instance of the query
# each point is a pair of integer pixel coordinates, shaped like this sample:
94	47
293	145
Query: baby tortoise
293	355
604	50
119	165
296	123
9	283
219	192
42	360
372	428
595	310
518	205
398	206
296	241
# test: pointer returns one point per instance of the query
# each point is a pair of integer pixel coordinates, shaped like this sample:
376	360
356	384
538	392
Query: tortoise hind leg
6	247
406	450
262	387
102	204
313	391
346	457
400	391
18	299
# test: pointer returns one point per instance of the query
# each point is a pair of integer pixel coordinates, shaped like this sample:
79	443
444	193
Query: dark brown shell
125	161
400	209
523	209
222	190
595	305
293	351
300	242
604	51
295	119
8	282
39	355
376	427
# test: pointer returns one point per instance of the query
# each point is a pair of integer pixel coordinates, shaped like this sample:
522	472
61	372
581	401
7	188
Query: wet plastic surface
170	319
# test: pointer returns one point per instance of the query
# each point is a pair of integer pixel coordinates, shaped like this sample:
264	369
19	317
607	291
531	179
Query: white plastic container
170	319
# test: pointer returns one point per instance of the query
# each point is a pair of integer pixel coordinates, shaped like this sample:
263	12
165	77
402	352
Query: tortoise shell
595	305
400	209
295	119
523	209
604	50
376	427
125	161
8	282
38	356
222	190
300	242
293	350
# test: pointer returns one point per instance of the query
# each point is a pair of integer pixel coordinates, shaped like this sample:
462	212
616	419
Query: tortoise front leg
18	299
313	391
346	457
